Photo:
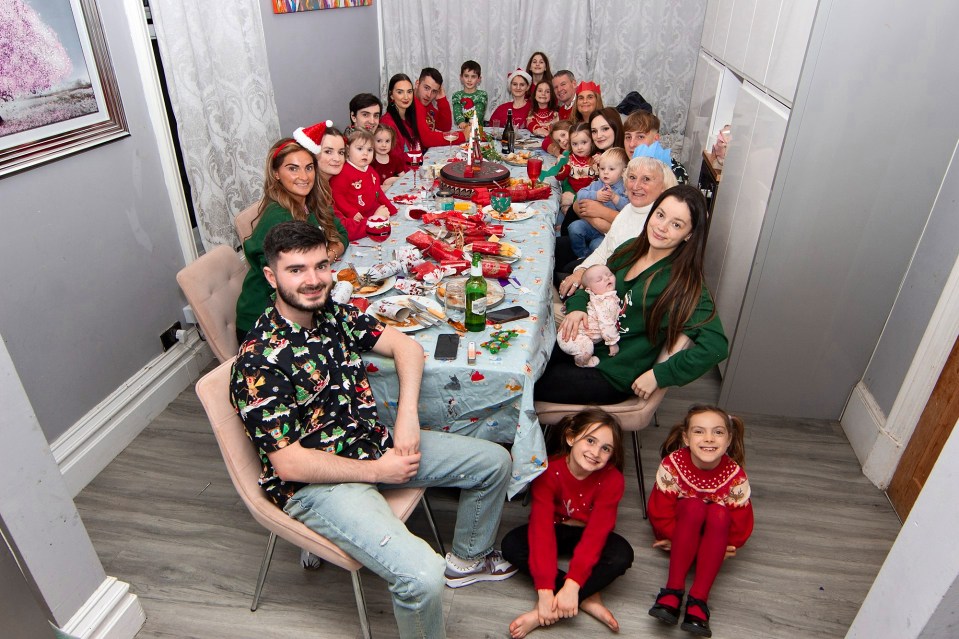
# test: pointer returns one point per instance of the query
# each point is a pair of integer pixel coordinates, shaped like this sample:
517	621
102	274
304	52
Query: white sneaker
492	567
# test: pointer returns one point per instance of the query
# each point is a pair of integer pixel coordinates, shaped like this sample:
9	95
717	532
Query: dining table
491	398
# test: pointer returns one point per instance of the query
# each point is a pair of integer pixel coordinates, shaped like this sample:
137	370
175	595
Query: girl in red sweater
357	193
574	512
699	509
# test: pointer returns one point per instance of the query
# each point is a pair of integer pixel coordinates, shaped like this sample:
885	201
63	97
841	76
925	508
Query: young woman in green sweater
659	278
295	186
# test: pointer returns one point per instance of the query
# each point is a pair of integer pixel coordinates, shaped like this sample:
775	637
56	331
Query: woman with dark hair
291	191
606	128
659	278
401	117
538	69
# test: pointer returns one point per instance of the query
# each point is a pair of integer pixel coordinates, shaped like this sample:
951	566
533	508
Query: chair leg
361	604
264	567
638	458
429	518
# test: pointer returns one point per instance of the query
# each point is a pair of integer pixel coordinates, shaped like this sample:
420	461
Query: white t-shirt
626	226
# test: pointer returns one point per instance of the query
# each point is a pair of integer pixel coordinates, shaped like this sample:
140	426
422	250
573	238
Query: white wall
851	197
319	60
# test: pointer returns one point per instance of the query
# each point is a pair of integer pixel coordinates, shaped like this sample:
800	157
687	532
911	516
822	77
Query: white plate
518	213
410	325
468	254
384	287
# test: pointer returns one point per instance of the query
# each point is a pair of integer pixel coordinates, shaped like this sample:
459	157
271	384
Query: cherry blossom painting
292	6
58	94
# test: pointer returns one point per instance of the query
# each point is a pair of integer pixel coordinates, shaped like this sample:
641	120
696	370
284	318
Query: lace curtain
650	46
215	60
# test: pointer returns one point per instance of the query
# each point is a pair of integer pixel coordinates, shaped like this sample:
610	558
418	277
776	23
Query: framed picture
292	6
58	94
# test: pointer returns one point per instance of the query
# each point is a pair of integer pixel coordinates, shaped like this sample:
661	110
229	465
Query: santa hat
588	86
310	137
521	73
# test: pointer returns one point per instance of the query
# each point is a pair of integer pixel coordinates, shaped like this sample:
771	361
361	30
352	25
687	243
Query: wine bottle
509	134
475	293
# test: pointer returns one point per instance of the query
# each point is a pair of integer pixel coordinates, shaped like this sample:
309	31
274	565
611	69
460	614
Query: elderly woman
518	82
589	98
645	179
659	279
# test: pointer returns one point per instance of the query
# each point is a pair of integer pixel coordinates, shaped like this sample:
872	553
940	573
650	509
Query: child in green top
471	99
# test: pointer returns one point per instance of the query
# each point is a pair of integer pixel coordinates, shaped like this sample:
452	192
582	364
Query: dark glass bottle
508	140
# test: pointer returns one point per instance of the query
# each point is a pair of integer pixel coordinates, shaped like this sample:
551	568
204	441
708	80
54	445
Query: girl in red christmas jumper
574	511
578	172
387	166
543	113
357	194
699	509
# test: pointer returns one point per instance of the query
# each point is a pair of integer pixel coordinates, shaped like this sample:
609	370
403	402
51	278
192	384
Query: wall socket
168	337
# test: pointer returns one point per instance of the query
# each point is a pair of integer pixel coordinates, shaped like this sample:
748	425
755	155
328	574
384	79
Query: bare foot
524	624
593	606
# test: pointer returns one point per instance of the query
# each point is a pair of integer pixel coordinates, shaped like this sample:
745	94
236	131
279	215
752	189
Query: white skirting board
100	435
864	424
111	612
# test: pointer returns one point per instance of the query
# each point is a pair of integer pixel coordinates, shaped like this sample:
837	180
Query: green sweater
636	354
257	293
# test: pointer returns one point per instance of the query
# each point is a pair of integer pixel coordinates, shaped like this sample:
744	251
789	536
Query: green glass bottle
476	298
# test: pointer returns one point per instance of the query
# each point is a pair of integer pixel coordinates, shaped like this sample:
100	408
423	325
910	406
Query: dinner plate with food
515	213
398	312
518	158
505	252
455	287
362	286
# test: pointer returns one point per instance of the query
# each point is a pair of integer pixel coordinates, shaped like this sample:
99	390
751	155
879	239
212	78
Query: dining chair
212	285
245	221
243	465
634	414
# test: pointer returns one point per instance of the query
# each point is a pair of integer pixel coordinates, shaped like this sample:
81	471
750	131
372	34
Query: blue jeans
584	238
357	519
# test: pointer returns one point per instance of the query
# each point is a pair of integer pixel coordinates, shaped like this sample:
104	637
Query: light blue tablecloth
494	398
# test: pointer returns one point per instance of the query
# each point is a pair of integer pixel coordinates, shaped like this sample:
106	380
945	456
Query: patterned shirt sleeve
362	331
265	399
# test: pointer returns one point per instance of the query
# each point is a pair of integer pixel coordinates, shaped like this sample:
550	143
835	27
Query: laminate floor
165	518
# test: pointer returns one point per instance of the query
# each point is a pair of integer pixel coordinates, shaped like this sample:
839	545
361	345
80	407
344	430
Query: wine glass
416	159
449	136
501	200
534	166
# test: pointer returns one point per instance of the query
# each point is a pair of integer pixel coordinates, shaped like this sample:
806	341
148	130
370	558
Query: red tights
702	533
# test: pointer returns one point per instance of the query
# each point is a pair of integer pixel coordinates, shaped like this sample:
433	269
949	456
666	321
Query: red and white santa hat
310	137
519	72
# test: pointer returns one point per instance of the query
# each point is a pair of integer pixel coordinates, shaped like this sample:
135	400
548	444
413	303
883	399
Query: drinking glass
378	229
501	200
416	159
534	166
454	312
449	136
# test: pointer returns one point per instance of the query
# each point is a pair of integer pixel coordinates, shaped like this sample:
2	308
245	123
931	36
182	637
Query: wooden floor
165	518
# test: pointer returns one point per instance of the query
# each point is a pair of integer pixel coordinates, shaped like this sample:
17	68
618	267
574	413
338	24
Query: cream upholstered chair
245	221
634	414
212	284
243	464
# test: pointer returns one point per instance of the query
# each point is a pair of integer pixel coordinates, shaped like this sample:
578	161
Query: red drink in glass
534	166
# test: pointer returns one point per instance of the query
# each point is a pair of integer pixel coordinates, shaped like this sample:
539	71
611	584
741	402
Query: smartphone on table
503	315
447	345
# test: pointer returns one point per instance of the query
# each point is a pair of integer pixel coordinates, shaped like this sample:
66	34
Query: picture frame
58	91
295	6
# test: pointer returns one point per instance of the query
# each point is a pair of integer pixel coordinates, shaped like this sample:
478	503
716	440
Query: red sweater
559	497
577	172
391	169
357	191
519	115
433	121
677	478
564	114
398	154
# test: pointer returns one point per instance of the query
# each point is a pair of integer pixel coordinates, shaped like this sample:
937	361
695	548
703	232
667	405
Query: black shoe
667	614
695	625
